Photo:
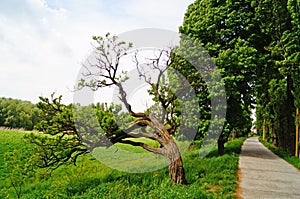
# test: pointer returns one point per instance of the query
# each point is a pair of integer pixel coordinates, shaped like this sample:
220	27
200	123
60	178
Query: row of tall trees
256	46
18	114
278	89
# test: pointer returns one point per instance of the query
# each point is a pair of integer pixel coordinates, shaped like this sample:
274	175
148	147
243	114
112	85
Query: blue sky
44	42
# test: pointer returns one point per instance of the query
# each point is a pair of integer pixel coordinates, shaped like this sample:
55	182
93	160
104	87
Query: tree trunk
290	138
176	170
220	146
274	136
233	134
168	148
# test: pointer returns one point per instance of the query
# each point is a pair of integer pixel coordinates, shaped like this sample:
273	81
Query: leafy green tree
227	30
181	62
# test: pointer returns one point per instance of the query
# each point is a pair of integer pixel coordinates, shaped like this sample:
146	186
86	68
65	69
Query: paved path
264	175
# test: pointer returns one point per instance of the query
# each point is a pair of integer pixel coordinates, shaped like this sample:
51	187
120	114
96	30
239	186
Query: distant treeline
18	114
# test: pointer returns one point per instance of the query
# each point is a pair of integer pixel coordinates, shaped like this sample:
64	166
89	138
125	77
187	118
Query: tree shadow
232	147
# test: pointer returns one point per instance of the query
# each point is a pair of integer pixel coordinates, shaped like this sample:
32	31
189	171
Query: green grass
210	177
281	153
9	140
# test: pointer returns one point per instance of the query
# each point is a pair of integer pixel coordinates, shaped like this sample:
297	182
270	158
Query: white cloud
42	43
157	12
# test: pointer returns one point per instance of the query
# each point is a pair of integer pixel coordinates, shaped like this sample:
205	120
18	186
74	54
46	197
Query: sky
43	43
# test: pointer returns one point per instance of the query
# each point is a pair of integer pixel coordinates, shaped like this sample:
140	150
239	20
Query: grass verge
281	153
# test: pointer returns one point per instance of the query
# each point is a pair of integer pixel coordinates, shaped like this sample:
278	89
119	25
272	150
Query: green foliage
60	143
228	31
256	46
292	40
278	85
181	63
18	114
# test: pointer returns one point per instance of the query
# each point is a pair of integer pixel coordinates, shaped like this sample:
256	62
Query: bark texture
176	170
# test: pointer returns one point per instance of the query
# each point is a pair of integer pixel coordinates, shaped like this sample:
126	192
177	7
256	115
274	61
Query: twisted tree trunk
176	170
171	152
168	147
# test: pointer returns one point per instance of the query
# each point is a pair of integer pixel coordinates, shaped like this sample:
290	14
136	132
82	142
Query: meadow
210	177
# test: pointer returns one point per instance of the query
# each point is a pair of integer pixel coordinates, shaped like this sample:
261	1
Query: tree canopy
18	114
226	29
256	45
277	93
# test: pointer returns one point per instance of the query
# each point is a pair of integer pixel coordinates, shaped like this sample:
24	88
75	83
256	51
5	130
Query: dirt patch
239	189
215	188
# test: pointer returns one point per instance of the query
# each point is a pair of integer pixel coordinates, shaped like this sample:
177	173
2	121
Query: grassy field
210	177
283	154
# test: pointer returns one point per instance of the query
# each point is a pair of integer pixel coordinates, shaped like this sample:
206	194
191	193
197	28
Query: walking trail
265	175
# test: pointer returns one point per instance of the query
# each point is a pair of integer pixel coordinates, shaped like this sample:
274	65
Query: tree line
256	44
16	113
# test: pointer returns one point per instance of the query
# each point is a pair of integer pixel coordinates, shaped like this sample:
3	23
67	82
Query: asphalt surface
265	175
